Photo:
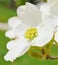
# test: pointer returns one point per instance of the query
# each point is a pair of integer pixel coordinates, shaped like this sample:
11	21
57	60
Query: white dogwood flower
49	16
28	30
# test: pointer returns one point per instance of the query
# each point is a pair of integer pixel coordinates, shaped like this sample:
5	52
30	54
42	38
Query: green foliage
48	46
41	52
19	2
35	51
36	55
45	0
6	13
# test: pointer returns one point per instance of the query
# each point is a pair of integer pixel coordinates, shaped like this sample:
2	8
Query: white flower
31	32
46	13
49	17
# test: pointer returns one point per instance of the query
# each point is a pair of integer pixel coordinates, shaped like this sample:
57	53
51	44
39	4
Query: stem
51	57
48	56
43	51
56	42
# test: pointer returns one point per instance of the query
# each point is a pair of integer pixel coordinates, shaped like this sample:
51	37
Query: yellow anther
31	33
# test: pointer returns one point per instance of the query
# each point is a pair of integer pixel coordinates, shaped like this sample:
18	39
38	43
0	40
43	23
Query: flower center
31	33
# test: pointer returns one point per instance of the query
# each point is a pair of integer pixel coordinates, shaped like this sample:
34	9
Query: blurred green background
7	10
8	7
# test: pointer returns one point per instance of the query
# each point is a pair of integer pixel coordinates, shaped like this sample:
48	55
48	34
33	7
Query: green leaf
48	46
35	51
36	55
56	43
20	2
35	48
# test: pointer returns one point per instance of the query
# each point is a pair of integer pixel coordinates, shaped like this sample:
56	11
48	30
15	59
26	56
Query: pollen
31	33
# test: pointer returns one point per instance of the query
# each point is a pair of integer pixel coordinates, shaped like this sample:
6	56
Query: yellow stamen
31	33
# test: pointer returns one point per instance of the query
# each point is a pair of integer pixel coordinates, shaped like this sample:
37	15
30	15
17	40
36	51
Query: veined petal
10	34
29	14
13	22
56	36
17	50
45	34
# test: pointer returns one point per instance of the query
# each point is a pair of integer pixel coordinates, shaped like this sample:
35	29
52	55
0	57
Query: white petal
46	24
54	8
39	4
19	30
29	14
10	34
11	44
16	32
53	20
45	34
50	21
51	1
17	50
45	11
56	36
13	22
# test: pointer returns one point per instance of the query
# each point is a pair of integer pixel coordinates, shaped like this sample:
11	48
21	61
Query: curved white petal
19	30
45	34
13	22
29	14
45	11
11	44
49	23
19	48
51	1
56	36
53	20
10	34
39	4
54	8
